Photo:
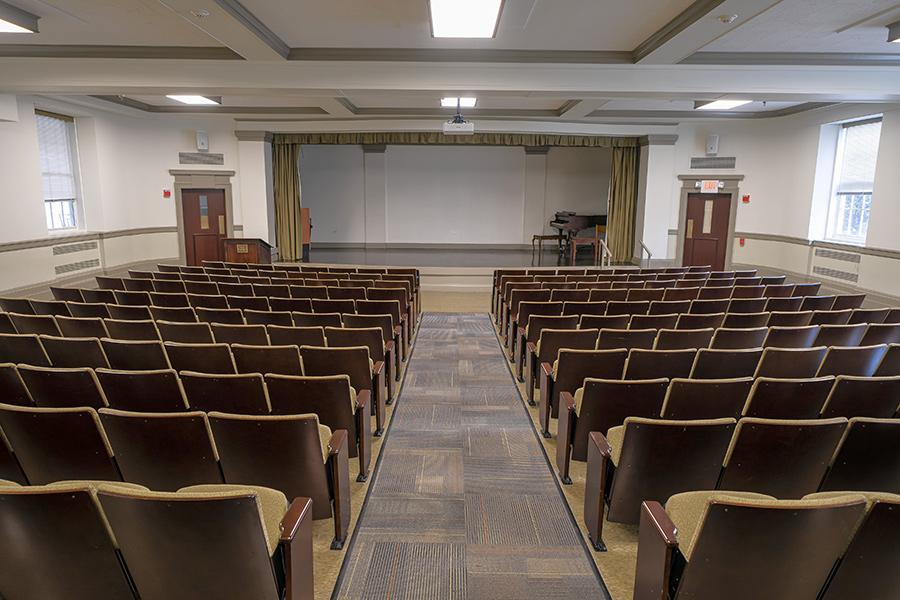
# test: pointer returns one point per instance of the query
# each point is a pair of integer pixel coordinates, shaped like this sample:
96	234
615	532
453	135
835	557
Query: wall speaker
712	145
202	141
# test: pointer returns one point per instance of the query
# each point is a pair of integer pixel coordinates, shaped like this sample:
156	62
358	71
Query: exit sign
710	186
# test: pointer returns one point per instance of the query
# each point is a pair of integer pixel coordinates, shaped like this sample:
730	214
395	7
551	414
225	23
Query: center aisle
464	505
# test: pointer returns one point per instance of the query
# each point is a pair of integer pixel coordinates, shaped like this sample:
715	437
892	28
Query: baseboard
84	276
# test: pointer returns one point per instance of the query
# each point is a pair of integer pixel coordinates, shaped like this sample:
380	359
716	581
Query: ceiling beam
232	25
696	27
578	109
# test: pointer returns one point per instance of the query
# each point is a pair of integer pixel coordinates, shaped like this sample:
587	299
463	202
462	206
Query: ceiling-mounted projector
457	125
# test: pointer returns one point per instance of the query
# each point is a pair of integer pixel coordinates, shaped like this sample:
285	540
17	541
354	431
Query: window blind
857	164
55	144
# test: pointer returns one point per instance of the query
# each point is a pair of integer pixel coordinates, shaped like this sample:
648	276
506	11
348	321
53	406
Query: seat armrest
297	550
657	546
378	367
598	456
564	435
547	368
567	400
339	466
597	440
362	399
531	347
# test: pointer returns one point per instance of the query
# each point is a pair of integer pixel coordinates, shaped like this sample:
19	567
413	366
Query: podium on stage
247	250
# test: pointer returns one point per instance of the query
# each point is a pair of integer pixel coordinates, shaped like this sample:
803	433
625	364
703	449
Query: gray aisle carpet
464	505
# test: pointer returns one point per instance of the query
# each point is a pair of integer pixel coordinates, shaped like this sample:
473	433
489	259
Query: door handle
690	228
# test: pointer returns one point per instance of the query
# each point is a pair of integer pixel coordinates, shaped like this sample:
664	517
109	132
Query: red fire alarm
746	199
742	241
167	193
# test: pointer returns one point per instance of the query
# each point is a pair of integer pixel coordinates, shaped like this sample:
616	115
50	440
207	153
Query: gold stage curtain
437	138
286	167
623	192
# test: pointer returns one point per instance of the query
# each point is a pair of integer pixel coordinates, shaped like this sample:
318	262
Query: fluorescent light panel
464	18
192	100
463	102
7	27
723	104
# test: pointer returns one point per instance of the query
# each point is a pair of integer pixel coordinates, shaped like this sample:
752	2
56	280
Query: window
854	178
59	161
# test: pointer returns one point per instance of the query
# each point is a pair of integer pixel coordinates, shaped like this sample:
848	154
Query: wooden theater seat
317	319
688	399
74	352
12	387
163	451
203	358
136	330
735	339
251	335
257	535
83	327
725	364
373	339
854	396
548	345
268	317
653	364
862	361
54	387
599	405
34	324
230	316
56	444
156	391
389	334
291	453
22	349
781	398
283	360
335	402
242	394
568	372
185	333
649	459
790	363
680	339
783	458
708	545
868	458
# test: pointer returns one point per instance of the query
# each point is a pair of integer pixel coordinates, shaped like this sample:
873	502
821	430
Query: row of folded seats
85	540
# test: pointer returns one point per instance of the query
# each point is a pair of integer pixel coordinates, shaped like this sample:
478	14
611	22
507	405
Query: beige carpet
617	564
456	301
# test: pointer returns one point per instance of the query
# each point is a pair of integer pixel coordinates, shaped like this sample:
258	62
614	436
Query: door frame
690	184
201	180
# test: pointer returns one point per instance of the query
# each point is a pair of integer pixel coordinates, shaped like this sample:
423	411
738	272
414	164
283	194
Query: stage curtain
437	138
286	167
623	192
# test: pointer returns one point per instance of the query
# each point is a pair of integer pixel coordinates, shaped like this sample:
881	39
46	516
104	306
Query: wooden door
203	214
706	230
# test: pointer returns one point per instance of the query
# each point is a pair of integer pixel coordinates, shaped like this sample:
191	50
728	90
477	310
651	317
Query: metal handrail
644	248
606	253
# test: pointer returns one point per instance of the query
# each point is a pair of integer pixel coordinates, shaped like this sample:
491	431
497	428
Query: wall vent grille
200	158
70	248
835	274
713	162
835	255
77	266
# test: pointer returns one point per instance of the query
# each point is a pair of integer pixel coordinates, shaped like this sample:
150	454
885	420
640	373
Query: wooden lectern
247	250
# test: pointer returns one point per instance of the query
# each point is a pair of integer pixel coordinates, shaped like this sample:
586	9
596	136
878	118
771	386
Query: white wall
447	195
124	165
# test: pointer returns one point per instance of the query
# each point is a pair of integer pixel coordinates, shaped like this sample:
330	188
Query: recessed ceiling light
465	18
728	19
16	20
463	102
894	32
193	100
720	104
201	13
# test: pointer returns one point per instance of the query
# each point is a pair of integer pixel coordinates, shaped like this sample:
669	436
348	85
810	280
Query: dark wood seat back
84	310
253	335
185	333
669	307
284	360
736	339
784	305
862	361
841	335
788	398
22	349
135	355
135	330
876	333
726	364
176	314
379	307
34	324
53	387
661	458
280	452
319	319
868	459
538	310
890	364
268	317
20	306
625	339
12	387
333	306
58	444
745	320
98	297
592	321
143	391
242	394
66	352
350	337
743	551
653	321
689	399
223	316
346	293
679	339
354	362
607	403
554	339
574	366
653	364
234	563
746	305
66	294
385	322
852	396
309	292
781	458
295	336
248	302
163	451
290	304
203	358
57	546
700	321
790	363
54	308
328	397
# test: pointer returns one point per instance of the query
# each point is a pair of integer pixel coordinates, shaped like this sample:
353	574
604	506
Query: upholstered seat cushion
579	398
616	437
687	511
871	497
272	505
7	483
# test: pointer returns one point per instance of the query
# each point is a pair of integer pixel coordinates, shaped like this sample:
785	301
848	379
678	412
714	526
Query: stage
496	258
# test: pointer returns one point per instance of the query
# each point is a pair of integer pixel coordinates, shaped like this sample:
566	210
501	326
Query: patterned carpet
463	505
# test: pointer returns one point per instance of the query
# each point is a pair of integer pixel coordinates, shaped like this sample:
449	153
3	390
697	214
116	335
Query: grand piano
570	224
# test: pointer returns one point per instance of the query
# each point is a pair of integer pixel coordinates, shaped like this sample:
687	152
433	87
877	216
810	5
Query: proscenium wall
447	195
124	164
